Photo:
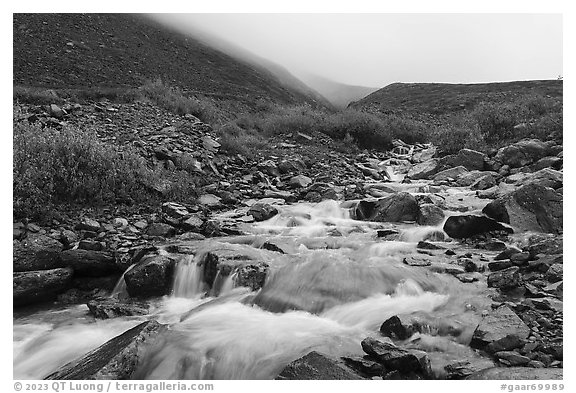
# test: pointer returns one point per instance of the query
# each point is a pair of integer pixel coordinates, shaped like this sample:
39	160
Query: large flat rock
115	359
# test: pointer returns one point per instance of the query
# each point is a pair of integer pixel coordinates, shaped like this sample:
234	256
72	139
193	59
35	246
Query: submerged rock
116	359
317	366
39	286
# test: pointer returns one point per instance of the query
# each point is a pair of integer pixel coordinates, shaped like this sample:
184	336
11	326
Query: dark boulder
497	210
465	368
36	252
116	359
459	227
399	327
152	276
320	191
39	286
90	263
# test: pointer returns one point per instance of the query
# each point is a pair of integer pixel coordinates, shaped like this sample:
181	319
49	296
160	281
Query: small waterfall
228	283
188	278
119	290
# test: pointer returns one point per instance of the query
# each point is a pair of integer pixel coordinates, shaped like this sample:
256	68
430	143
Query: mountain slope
339	94
123	50
444	98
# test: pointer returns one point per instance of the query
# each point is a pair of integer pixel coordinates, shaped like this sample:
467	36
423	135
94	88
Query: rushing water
336	283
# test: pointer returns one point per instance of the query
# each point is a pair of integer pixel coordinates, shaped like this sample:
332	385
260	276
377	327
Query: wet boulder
465	226
152	276
531	207
317	366
249	269
36	252
116	359
401	206
262	211
517	373
500	330
522	153
399	327
90	263
39	286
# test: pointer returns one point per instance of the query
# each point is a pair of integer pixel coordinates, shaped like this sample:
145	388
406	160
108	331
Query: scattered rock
465	226
505	279
522	153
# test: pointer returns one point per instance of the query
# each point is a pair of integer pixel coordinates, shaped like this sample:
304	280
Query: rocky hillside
444	98
122	50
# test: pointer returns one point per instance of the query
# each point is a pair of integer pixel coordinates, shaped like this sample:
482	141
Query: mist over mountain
124	50
339	94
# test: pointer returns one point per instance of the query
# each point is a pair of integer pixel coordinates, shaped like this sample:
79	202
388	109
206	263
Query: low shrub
174	100
71	166
236	140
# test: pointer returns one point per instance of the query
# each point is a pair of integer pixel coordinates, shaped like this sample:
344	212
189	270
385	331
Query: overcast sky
378	49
